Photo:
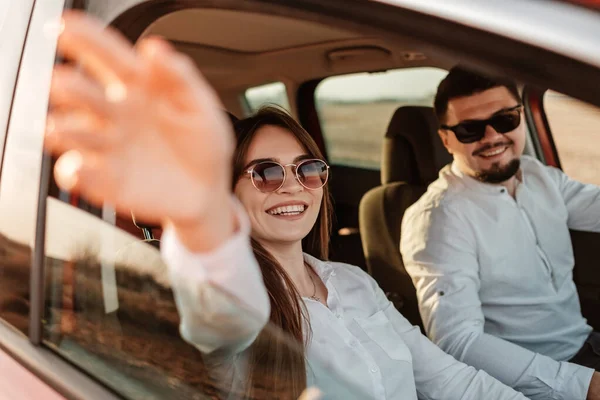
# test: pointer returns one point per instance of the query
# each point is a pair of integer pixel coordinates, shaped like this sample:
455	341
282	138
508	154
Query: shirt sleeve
437	374
220	295
438	251
582	201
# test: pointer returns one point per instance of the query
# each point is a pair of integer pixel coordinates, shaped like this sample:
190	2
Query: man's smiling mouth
493	152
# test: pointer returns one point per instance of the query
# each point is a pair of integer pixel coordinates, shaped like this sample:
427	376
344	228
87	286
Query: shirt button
333	273
374	370
353	343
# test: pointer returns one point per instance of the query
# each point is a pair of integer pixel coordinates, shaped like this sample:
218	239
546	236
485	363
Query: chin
277	234
499	173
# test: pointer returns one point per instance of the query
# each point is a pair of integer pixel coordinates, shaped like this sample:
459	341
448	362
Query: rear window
270	94
355	110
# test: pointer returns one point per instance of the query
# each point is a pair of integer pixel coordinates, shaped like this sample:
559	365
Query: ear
444	136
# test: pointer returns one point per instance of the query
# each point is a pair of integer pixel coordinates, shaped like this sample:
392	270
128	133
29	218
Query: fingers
172	72
76	129
72	89
67	170
103	52
79	172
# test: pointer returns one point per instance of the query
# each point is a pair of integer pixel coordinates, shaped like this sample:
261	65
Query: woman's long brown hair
271	361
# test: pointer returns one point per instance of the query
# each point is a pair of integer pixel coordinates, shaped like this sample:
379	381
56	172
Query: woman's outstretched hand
141	129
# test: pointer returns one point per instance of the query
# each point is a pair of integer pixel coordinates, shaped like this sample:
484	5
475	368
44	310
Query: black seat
412	156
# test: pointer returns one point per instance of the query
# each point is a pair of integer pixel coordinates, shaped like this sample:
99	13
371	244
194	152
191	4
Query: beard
499	173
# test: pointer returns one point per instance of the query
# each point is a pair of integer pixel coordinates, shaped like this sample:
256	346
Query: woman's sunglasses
269	176
474	131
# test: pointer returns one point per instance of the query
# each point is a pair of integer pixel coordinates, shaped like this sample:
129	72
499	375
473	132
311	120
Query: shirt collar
483	187
322	268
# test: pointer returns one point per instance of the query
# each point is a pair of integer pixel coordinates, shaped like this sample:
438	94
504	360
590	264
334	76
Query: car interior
238	48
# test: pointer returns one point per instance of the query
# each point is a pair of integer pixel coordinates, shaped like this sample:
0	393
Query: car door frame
35	67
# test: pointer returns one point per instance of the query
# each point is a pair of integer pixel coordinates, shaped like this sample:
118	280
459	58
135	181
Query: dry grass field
354	133
575	128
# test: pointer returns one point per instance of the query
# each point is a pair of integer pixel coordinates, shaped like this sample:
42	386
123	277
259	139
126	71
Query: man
489	251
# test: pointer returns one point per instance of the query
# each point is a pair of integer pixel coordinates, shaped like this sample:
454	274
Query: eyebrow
259	160
502	110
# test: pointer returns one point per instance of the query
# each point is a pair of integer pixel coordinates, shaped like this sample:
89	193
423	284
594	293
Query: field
575	130
354	133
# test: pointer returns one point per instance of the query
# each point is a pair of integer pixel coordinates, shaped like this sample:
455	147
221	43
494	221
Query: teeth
493	153
288	210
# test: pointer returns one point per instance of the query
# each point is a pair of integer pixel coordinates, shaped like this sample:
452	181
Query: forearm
438	375
535	375
205	233
220	294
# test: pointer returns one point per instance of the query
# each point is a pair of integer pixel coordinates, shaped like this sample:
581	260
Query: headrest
412	149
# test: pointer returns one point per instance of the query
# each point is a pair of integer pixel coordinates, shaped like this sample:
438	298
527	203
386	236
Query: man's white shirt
494	274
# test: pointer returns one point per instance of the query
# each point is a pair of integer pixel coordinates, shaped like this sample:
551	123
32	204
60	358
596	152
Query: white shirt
494	275
359	336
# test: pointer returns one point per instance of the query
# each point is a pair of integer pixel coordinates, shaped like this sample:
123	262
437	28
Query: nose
490	134
291	184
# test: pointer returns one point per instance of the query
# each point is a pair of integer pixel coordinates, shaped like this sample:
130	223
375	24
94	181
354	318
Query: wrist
594	389
209	231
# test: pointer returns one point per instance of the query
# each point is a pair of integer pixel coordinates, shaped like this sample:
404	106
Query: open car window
270	94
355	110
574	125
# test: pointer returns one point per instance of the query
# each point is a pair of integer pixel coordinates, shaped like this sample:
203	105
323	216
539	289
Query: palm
165	143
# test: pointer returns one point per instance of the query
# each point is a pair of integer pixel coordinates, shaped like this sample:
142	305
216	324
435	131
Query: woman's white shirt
359	336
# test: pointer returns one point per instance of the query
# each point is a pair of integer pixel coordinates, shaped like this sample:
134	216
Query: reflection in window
15	271
272	93
355	110
110	309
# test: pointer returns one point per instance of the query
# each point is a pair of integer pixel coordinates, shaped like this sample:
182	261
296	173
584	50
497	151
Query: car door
96	312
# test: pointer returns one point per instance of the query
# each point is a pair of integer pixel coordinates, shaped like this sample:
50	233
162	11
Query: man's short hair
461	82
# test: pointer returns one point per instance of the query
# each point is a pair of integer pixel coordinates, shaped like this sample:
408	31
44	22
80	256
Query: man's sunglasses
473	131
269	176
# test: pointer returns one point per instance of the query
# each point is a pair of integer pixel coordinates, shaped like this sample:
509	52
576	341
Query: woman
152	102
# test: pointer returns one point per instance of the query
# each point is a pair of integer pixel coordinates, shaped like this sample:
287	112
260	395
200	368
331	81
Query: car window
109	308
574	125
355	110
271	93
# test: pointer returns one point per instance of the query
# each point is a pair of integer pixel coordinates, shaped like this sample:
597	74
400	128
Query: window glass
109	308
271	93
574	125
355	110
